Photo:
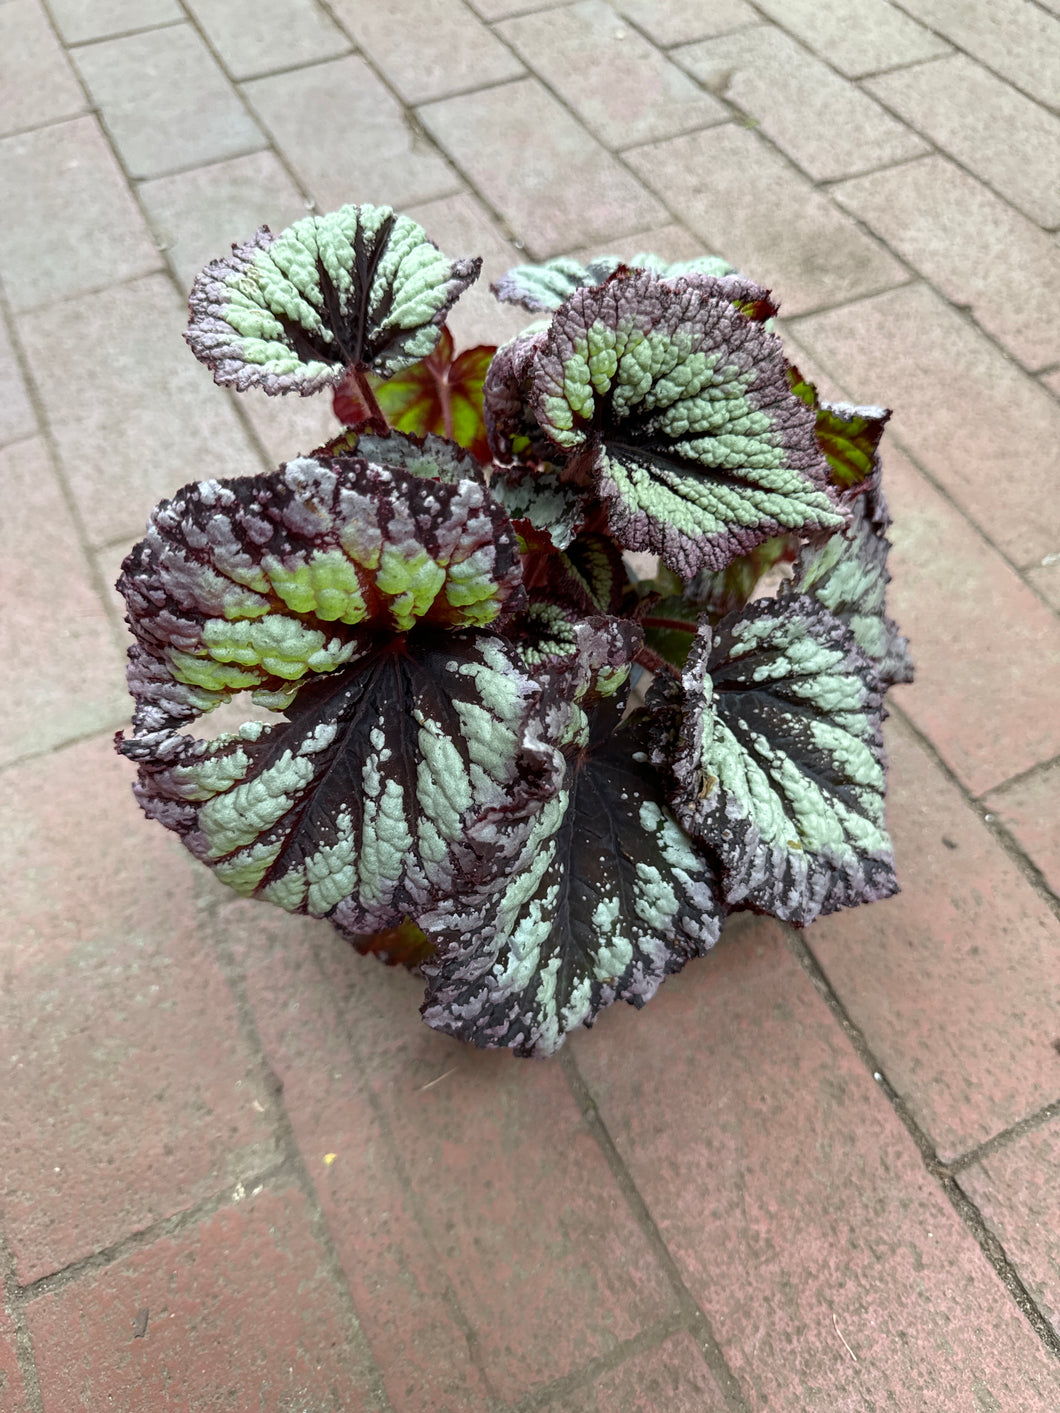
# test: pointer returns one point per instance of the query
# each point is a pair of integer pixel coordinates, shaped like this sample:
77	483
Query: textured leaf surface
263	582
290	312
848	574
359	807
780	766
542	288
608	897
552	505
677	408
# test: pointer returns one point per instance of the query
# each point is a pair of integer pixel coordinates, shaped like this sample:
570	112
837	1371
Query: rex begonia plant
437	607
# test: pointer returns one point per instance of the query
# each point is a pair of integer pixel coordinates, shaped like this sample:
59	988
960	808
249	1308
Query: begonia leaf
848	574
441	394
542	288
607	897
675	408
718	592
359	807
263	582
849	436
552	505
779	768
405	945
361	287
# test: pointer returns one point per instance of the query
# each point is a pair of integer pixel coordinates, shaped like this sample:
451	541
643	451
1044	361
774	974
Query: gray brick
971	246
823	122
1052	380
63	673
856	40
989	433
134	416
1045	578
1012	143
670	242
428	48
17	418
748	204
620	86
199	214
681	21
346	136
165	102
1012	37
500	9
79	20
288	426
461	225
536	165
281	34
78	226
37	84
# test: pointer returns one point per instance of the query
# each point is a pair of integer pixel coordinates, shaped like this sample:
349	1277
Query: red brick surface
795	1203
672	1377
488	1195
1017	1189
239	1312
955	981
128	1094
12	1386
1029	810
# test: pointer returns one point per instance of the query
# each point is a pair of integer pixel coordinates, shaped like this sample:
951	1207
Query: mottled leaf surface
607	898
676	408
553	506
359	808
848	574
780	768
544	287
263	582
291	312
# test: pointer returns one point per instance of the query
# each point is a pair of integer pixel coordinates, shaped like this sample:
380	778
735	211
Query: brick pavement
820	1170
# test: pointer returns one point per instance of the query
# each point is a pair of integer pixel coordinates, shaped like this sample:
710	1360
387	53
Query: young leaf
405	945
779	768
359	808
440	394
605	900
848	574
675	408
543	288
260	583
359	288
849	436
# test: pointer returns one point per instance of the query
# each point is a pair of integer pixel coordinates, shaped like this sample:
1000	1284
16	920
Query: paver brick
856	42
987	650
986	431
12	1388
461	225
681	21
281	34
165	102
78	226
671	1377
428	48
569	192
1017	1189
133	415
499	9
775	228
37	84
824	124
1009	141
1045	578
972	247
1014	38
514	1202
62	665
17	418
286	426
1029	810
795	1203
198	215
388	163
80	20
618	83
237	1312
954	982
128	1092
